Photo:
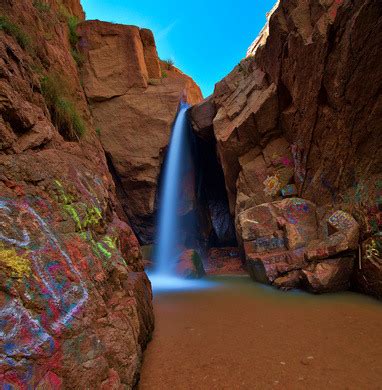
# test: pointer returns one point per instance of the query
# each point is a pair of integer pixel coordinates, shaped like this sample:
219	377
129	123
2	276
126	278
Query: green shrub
169	64
78	57
63	111
41	6
98	131
164	74
72	26
63	12
72	22
15	31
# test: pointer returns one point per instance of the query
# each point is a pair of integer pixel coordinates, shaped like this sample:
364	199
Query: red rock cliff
301	116
75	304
134	99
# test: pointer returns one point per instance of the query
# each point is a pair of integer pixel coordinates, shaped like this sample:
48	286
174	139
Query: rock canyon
286	183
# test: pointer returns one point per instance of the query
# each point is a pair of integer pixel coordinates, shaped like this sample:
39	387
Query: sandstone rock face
134	99
75	304
298	116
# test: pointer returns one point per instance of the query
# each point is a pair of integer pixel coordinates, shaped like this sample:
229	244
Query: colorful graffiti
373	249
60	282
264	244
49	247
296	209
50	279
341	220
272	185
299	159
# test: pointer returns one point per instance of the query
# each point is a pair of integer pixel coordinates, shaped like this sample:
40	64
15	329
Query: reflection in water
167	283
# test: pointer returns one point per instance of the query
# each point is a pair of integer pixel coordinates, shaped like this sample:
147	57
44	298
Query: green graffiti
111	242
74	215
103	250
93	217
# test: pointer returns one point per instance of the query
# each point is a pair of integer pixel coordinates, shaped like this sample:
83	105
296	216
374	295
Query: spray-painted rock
369	271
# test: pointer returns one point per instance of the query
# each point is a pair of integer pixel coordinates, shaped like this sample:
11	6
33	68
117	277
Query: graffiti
57	281
17	265
341	220
296	209
289	190
299	162
264	244
272	185
43	289
373	250
84	216
270	243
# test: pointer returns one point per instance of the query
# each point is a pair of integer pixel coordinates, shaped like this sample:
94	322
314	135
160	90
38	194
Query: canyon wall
134	98
298	131
75	303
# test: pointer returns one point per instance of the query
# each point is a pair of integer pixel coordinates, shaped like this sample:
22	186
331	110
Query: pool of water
237	334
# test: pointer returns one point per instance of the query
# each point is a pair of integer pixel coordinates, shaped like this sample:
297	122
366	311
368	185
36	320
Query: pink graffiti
56	282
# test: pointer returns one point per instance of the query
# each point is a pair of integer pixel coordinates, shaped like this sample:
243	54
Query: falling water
168	227
170	203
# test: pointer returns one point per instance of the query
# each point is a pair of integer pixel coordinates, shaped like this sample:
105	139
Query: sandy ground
246	336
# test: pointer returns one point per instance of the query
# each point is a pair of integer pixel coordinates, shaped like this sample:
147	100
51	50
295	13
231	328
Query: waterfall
168	235
177	194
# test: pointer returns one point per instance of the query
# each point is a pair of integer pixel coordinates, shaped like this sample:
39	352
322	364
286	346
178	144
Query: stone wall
75	303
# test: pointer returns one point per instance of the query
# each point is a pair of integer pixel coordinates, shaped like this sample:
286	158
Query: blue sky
205	39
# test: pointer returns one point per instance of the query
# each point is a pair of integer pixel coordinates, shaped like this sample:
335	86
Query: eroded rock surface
299	117
286	245
75	304
134	98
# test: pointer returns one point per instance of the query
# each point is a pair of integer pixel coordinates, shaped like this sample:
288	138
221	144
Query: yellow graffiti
372	250
93	217
18	266
111	242
272	185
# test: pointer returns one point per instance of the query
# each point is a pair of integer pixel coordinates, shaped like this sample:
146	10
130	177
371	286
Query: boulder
267	267
202	116
289	281
190	265
329	275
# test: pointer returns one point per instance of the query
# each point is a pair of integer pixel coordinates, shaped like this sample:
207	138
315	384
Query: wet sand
241	335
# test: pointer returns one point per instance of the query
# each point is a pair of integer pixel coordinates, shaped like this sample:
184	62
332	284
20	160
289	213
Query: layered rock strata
300	117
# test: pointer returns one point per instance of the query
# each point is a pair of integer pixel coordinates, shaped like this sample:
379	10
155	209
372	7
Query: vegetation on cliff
61	108
15	31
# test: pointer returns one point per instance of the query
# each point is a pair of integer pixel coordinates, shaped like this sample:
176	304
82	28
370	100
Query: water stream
171	201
